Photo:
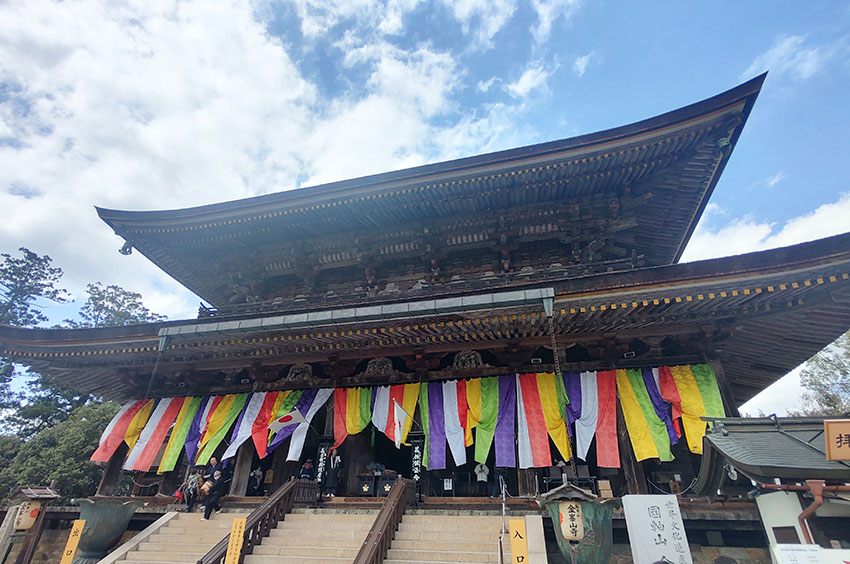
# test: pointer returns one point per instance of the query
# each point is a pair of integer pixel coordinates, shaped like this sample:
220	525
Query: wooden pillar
242	469
526	482
725	390
358	453
635	479
112	472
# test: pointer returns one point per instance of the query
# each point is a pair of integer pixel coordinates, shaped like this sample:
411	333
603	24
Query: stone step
187	547
440	556
483	528
257	559
301	540
330	517
449	545
415	534
157	557
318	533
184	539
329	550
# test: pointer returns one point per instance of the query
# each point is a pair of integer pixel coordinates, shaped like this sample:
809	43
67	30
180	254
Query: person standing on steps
190	489
216	491
307	471
481	474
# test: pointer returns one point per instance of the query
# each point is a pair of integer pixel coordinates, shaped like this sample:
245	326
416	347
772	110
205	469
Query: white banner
656	531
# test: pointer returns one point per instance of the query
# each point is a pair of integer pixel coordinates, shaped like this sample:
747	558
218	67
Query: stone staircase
185	538
315	536
436	536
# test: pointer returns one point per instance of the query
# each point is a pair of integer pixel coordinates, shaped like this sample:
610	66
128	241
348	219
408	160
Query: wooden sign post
519	540
837	435
73	541
234	547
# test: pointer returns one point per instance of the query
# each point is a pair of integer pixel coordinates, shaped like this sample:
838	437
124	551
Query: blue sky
163	104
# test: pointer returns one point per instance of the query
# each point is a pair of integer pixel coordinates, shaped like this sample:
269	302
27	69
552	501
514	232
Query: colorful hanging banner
178	434
352	412
700	397
260	427
652	381
245	424
538	418
607	445
454	412
299	435
647	432
196	428
150	439
114	434
303	402
138	423
434	425
384	416
220	420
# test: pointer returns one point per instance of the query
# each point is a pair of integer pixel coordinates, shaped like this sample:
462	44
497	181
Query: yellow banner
73	541
234	547
519	542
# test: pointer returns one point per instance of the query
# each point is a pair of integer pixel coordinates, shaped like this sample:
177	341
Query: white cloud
780	397
774	179
533	78
789	56
483	19
484	85
174	104
743	235
548	11
581	63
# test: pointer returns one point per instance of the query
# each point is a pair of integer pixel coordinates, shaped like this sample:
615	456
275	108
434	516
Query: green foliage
41	405
826	380
111	306
24	280
59	453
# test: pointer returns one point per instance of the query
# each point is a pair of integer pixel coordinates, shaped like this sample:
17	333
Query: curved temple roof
662	170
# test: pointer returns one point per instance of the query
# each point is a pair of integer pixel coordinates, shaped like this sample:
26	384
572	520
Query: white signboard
656	531
798	554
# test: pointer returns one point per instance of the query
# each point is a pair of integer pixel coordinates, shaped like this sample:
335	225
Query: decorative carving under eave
263	374
467	359
379	368
297	371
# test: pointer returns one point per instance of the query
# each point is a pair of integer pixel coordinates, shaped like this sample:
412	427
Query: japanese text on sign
73	541
234	547
656	531
321	463
572	522
837	433
417	461
519	544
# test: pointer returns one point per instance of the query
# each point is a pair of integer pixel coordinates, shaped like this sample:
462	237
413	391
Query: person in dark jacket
217	490
307	471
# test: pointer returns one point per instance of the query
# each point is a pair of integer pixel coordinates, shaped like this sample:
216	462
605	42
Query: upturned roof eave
800	257
747	91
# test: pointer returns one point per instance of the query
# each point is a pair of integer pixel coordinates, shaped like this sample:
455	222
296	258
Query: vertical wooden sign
73	541
234	547
519	542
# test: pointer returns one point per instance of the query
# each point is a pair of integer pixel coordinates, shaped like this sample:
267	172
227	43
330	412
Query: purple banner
436	427
661	406
505	435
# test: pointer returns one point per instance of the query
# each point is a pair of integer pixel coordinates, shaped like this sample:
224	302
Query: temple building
516	308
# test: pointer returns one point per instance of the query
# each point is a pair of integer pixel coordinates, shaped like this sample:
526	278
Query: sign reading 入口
837	435
656	531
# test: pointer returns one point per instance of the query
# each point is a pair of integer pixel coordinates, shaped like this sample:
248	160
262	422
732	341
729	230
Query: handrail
263	519
380	536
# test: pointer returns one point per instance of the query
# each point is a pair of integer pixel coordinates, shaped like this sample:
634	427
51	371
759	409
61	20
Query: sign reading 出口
656	530
837	435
